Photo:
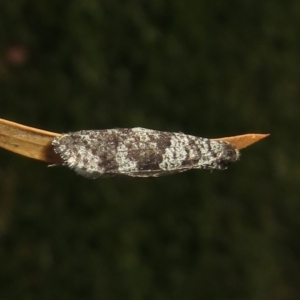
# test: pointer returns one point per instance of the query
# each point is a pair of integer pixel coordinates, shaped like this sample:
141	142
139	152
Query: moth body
140	152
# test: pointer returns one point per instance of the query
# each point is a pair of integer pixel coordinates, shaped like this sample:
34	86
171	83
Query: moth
140	152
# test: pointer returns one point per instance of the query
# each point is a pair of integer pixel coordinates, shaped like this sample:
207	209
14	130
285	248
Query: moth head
229	155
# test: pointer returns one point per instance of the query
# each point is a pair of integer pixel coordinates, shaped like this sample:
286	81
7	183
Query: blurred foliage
208	68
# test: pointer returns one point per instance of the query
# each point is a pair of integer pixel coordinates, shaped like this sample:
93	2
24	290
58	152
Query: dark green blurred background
207	68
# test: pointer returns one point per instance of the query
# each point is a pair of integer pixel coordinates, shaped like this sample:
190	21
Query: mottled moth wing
140	152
